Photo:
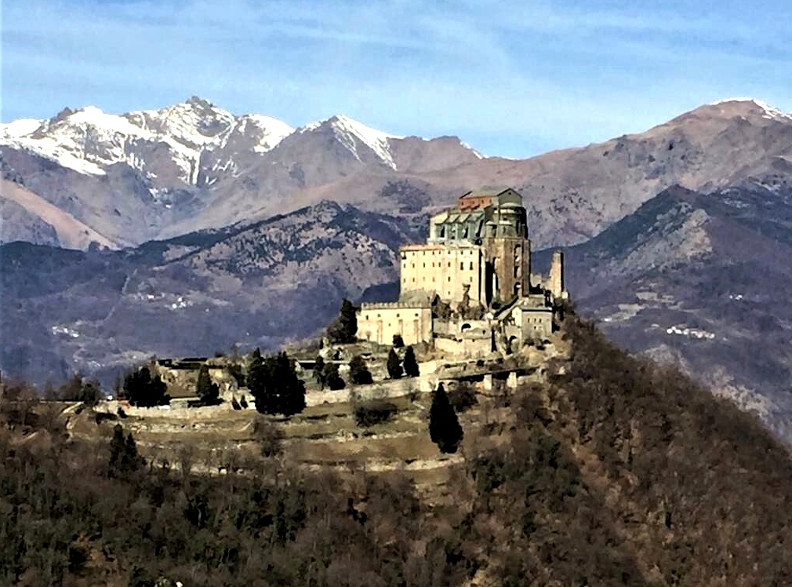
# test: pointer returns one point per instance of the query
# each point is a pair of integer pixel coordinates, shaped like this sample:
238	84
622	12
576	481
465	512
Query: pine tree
444	428
143	391
274	383
292	390
358	371
318	372
344	328
394	366
410	364
208	391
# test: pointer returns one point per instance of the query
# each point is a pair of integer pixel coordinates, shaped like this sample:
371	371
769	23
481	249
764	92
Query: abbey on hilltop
469	290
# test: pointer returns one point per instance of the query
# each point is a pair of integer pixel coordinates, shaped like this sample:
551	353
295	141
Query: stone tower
557	275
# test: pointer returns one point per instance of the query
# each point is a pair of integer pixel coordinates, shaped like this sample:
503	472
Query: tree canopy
144	391
344	328
274	383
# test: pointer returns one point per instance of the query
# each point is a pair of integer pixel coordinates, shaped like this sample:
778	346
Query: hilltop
609	470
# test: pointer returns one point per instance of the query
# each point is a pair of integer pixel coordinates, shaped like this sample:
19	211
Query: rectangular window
471	265
462	266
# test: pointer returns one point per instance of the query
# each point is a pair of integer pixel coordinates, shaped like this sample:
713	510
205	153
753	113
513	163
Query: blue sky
510	77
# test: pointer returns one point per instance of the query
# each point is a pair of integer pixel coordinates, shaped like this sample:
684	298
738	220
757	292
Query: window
449	278
397	315
462	266
449	263
471	265
365	317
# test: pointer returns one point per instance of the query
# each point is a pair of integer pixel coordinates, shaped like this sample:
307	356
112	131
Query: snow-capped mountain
160	173
353	135
166	145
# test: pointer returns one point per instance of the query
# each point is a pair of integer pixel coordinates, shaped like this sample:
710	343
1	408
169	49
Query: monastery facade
469	289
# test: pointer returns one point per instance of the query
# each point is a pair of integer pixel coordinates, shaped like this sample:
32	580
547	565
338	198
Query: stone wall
380	322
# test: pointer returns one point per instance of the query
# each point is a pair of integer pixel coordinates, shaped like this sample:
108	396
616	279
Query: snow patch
352	133
769	112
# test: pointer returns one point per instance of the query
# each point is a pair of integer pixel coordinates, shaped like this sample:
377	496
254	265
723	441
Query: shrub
332	378
374	412
410	364
268	436
358	371
393	365
462	398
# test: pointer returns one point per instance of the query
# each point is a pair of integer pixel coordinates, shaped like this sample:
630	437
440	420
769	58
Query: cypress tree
318	372
410	364
444	428
208	391
394	366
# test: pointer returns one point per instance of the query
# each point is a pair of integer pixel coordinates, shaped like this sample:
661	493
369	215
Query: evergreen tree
410	364
444	428
394	367
344	328
208	391
274	383
256	375
358	371
333	379
398	341
318	372
143	391
124	457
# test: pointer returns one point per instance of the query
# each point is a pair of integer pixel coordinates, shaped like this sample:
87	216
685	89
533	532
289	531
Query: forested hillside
613	472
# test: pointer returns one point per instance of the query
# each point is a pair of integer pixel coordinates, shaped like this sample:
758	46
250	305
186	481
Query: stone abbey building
469	289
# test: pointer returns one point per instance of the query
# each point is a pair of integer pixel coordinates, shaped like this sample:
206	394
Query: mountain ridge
153	189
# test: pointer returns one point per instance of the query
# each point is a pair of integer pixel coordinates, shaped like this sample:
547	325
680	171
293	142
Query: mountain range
676	238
